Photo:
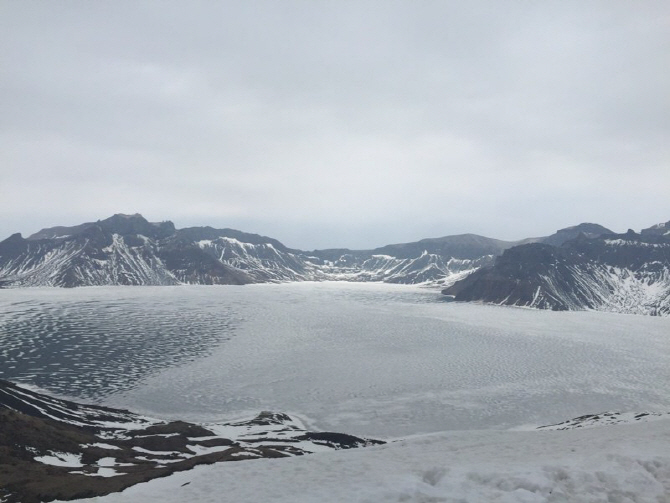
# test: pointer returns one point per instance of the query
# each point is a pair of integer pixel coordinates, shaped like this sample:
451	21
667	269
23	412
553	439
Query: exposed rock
58	449
606	419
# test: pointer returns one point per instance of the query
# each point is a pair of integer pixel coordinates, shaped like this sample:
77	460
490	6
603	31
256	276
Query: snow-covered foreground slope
623	463
57	449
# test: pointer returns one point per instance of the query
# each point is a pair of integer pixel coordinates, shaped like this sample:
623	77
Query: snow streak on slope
262	262
78	262
594	286
427	268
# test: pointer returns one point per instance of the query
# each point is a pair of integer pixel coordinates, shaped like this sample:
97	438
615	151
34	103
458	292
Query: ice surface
384	361
374	360
91	342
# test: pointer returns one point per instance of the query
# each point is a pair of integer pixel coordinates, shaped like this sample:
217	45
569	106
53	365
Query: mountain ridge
130	250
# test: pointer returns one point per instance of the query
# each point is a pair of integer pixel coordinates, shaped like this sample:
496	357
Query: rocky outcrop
57	449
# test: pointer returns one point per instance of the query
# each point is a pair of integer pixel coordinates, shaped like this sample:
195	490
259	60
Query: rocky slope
627	273
121	250
57	449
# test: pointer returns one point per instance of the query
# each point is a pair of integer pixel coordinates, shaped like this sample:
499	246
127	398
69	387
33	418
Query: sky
336	123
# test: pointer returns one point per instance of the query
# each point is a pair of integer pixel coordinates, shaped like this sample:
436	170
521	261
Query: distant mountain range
585	266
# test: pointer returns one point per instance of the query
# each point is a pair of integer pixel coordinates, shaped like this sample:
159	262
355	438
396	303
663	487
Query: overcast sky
336	123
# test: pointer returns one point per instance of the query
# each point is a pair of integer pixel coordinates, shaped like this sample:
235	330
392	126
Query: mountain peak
662	229
589	230
587	227
15	238
123	224
125	215
119	223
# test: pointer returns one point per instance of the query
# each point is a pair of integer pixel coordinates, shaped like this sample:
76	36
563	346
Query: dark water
95	342
90	343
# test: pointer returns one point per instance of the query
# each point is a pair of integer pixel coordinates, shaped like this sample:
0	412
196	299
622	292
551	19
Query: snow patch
61	459
641	244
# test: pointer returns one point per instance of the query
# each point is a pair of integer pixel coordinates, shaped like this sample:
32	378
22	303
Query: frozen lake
372	359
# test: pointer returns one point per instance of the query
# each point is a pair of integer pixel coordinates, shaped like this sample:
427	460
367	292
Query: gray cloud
336	123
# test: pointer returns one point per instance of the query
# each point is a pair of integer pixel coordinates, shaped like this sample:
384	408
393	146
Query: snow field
622	463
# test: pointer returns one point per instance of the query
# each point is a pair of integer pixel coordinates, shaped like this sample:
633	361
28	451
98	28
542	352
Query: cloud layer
336	123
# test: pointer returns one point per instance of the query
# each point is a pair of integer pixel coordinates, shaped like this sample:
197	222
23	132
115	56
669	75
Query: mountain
628	273
569	233
259	258
121	250
435	261
581	267
129	250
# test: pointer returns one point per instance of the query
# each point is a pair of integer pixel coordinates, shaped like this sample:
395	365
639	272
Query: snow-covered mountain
581	267
129	250
121	250
627	273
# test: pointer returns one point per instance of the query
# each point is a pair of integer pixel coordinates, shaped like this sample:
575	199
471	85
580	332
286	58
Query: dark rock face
116	224
518	276
605	418
618	272
57	449
662	229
